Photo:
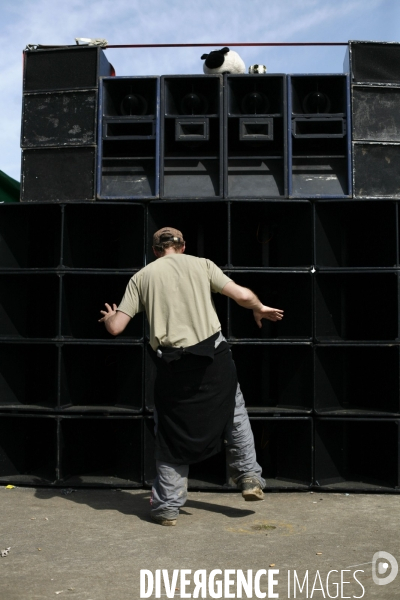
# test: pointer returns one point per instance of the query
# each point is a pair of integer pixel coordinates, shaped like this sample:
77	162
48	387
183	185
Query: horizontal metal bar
226	44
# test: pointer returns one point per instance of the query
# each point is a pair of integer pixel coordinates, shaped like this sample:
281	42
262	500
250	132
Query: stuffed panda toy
223	61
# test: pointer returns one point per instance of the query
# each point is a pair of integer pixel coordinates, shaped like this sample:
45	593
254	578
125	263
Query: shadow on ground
137	503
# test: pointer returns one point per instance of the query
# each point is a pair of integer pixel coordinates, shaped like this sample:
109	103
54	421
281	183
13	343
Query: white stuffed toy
223	61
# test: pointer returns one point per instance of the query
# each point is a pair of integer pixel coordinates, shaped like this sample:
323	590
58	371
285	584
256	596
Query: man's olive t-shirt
175	291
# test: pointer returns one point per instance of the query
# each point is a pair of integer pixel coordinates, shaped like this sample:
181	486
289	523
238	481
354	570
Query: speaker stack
356	355
59	123
256	171
375	77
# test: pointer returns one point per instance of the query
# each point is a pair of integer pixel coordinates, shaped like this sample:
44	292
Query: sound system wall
288	183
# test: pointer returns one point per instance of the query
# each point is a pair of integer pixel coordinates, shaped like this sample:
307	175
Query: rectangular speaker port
256	129
129	129
318	128
193	129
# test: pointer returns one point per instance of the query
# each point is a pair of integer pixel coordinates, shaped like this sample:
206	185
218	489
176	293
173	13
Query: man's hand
108	313
266	312
114	320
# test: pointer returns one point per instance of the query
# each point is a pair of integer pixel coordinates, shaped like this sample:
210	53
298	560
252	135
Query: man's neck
171	251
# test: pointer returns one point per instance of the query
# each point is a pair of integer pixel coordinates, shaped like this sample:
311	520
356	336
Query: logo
380	565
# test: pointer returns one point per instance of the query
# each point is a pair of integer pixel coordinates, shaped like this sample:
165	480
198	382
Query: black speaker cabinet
271	235
59	119
284	449
357	380
58	174
283	385
345	301
28	449
102	378
376	170
255	136
23	294
64	68
103	236
319	140
129	138
376	113
373	62
353	234
290	291
28	376
191	137
357	454
30	236
93	289
101	451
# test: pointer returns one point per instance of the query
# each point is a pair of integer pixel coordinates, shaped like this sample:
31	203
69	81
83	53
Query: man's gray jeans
169	490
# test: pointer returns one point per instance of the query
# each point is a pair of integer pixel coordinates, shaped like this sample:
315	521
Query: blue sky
183	21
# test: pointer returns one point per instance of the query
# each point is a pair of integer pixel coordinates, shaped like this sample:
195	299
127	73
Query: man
198	402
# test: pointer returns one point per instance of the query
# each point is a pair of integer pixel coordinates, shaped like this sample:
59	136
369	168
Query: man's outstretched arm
246	298
114	320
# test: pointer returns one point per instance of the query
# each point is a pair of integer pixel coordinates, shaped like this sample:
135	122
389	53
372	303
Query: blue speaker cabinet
128	138
255	136
191	137
319	139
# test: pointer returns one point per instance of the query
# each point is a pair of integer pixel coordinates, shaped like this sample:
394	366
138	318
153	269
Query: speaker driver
133	104
316	102
255	103
194	104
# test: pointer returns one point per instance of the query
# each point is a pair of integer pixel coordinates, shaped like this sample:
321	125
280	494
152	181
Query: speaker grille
59	119
376	170
375	62
61	69
58	174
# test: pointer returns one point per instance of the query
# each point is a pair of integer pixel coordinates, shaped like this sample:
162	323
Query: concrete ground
92	544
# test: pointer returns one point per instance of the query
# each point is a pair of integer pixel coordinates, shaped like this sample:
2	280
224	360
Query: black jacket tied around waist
194	398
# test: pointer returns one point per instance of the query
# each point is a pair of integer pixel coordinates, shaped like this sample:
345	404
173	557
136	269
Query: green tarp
9	188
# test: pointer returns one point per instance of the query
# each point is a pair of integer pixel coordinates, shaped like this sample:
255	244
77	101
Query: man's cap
167	234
